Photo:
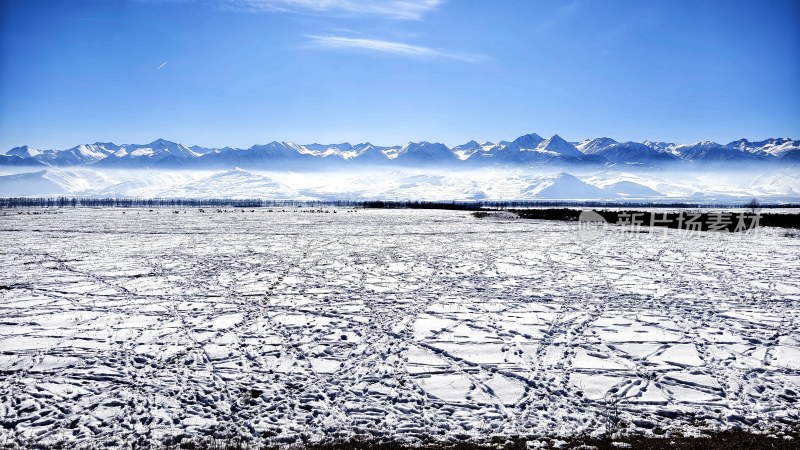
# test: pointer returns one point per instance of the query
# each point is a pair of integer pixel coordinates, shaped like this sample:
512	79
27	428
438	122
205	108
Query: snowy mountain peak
24	151
528	141
663	147
369	153
464	151
592	146
471	145
558	145
430	152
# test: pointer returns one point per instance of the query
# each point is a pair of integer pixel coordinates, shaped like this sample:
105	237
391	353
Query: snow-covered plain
125	324
541	183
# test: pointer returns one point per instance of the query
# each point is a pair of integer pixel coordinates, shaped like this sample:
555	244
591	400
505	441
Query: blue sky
241	72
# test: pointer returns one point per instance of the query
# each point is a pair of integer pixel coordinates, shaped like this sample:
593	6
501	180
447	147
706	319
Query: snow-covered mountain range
527	150
528	167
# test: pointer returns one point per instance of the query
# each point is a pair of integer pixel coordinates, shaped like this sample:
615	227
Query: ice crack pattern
389	323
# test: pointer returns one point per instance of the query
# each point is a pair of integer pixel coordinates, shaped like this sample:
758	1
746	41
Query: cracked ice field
400	323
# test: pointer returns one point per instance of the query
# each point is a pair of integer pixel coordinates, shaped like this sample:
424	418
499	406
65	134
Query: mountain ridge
529	149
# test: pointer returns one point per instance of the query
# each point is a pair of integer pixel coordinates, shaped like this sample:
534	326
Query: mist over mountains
528	167
527	150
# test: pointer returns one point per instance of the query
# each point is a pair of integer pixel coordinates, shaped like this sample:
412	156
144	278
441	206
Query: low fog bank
432	184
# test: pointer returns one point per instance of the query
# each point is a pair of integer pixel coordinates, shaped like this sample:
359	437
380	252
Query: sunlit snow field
697	185
118	324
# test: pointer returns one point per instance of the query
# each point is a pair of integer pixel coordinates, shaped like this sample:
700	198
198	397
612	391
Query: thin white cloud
396	9
560	15
389	47
162	65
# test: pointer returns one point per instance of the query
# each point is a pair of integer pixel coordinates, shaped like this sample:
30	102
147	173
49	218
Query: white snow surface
139	324
409	184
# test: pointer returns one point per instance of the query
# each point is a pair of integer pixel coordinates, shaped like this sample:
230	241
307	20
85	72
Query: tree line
110	202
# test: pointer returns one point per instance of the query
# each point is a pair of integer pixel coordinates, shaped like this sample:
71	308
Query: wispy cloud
162	65
396	9
561	14
389	47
